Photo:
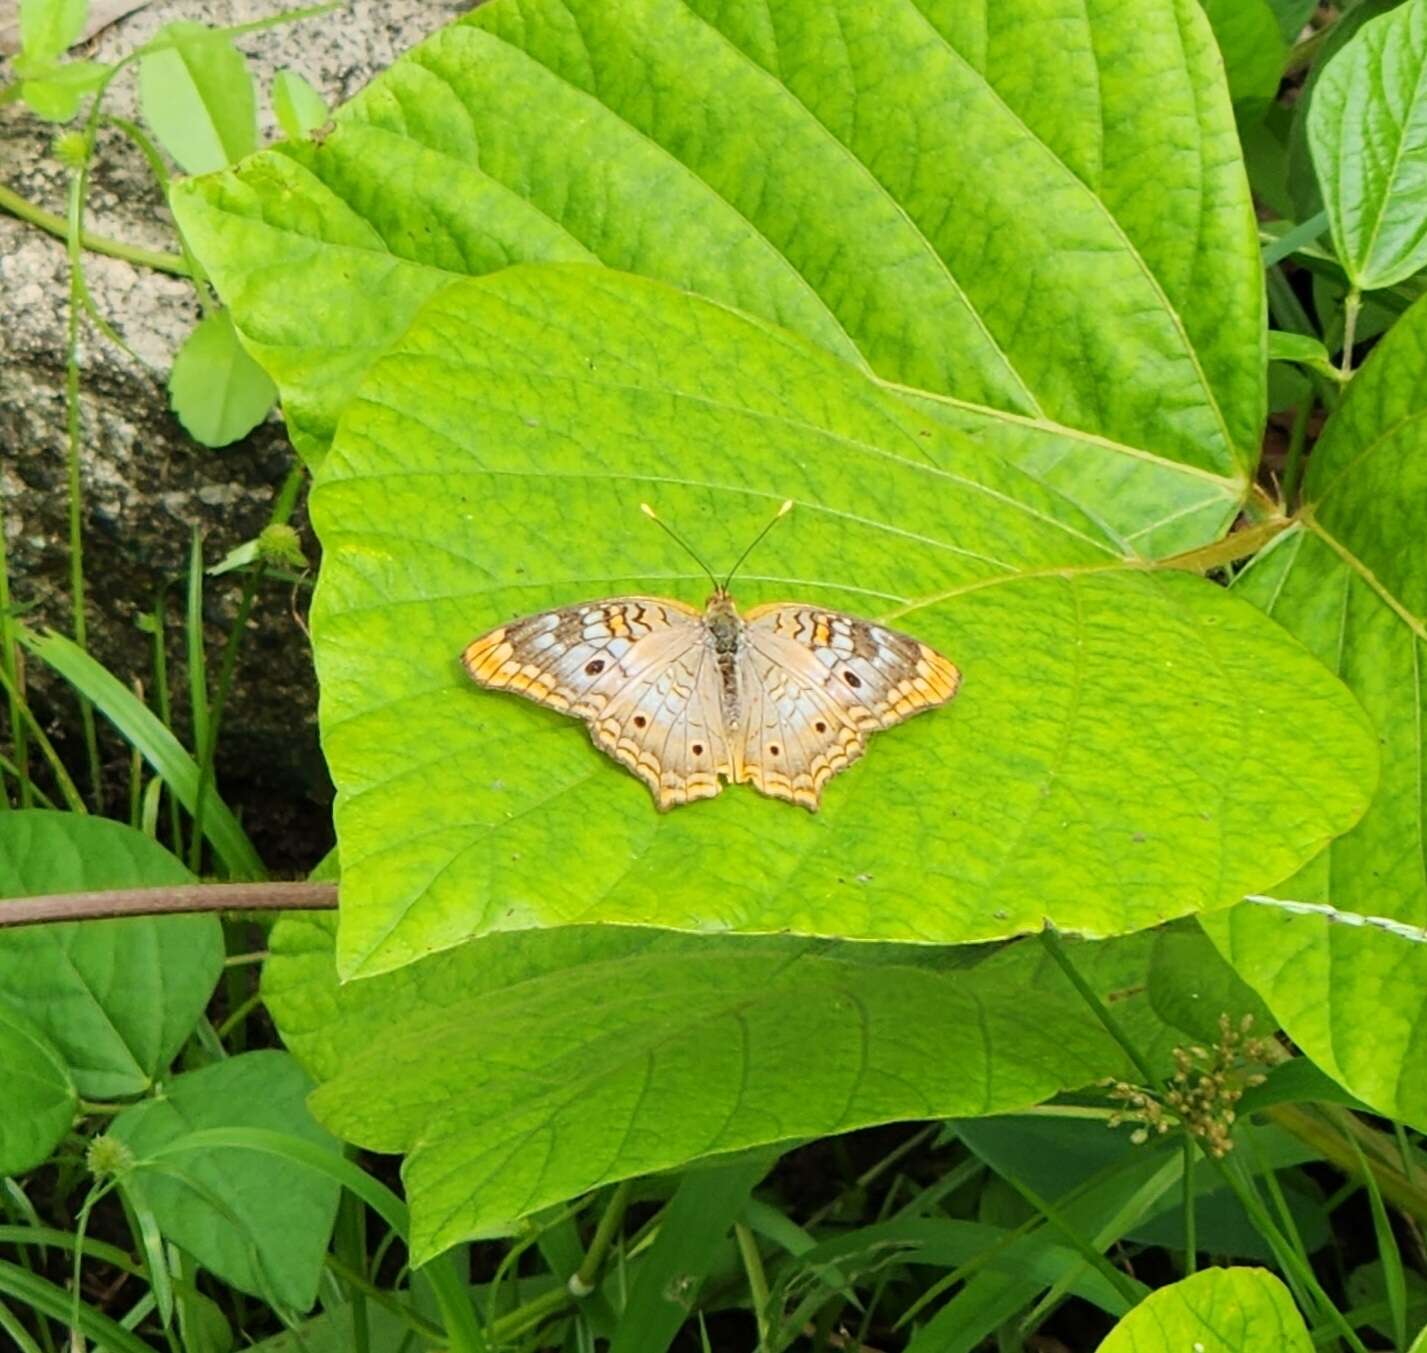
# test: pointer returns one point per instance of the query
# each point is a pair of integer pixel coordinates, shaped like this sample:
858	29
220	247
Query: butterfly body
782	697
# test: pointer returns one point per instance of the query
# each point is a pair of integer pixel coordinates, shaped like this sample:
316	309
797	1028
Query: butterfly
781	697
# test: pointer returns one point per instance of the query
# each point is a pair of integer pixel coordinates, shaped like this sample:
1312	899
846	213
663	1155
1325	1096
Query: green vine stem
56	225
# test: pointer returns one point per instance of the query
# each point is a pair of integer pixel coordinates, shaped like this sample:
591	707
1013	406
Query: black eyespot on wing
698	749
640	721
772	749
852	679
820	726
594	667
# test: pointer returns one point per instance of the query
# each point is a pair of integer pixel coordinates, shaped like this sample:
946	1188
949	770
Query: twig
165	901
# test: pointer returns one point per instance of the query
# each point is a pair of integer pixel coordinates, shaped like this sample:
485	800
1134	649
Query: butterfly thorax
725	628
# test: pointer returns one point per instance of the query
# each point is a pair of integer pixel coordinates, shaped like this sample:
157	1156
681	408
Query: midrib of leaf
1381	439
853	444
1051	428
1190	350
109	1024
761	73
1412	622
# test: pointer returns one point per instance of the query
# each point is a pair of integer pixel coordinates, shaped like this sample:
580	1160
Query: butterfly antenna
689	549
777	517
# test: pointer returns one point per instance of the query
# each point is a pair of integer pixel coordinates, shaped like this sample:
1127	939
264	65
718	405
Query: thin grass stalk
69	791
165	703
73	436
10	662
197	691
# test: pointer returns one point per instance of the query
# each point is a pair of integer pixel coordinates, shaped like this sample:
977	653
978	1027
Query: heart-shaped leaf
1351	582
259	1222
1093	769
1041	221
117	997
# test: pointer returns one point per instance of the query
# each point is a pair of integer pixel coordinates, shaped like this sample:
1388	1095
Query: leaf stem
1352	304
582	1281
10	665
1239	545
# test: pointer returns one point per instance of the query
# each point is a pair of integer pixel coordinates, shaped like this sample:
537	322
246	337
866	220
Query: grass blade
158	745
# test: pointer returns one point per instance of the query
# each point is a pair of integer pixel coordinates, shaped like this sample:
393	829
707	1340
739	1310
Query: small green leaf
1367	128
1303	350
55	92
40	1099
1347	980
493	466
197	95
117	997
218	392
48	27
1221	1310
297	106
258	1222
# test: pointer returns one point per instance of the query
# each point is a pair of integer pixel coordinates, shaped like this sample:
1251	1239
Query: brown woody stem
164	901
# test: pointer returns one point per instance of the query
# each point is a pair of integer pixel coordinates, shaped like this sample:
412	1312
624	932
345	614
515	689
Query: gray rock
146	485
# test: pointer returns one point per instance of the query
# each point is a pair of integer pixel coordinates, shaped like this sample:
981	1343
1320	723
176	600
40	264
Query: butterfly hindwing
636	670
816	683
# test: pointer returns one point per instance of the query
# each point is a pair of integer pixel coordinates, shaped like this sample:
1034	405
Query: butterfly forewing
815	683
636	670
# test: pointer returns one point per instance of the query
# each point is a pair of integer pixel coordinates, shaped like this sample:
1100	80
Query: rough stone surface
146	485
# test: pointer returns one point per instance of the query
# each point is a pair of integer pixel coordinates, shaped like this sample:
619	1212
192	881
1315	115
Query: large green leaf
258	1222
1039	218
1093	770
1367	129
1222	1310
608	1002
515	1099
1351	582
117	997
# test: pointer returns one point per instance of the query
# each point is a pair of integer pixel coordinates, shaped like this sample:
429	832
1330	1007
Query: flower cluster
1201	1095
